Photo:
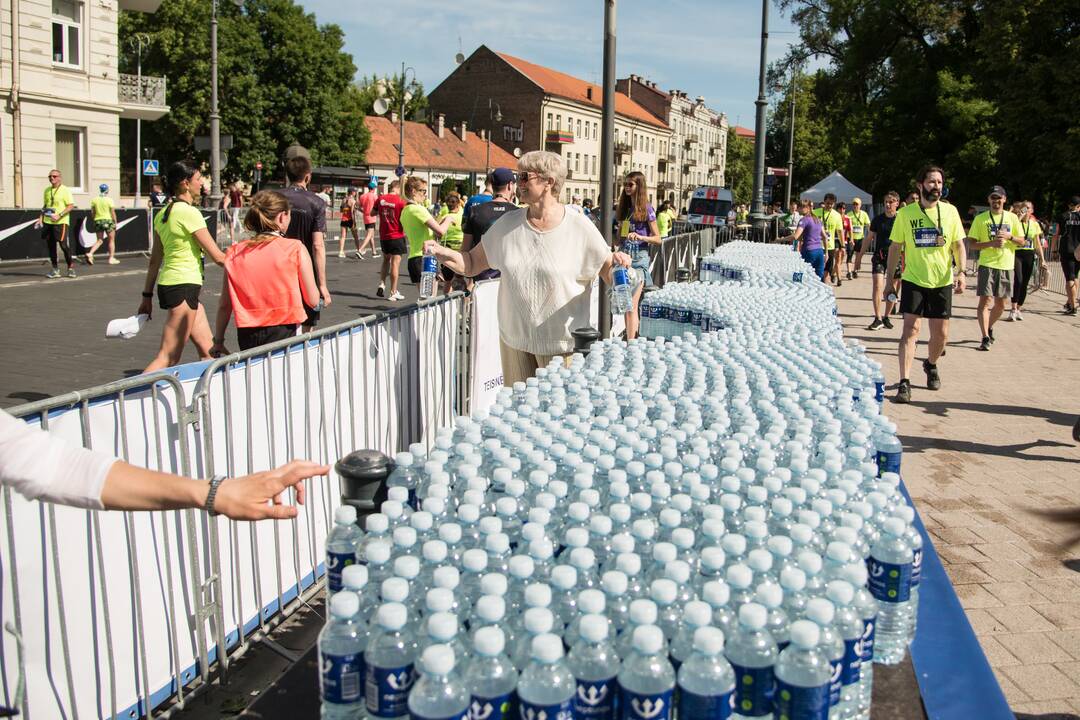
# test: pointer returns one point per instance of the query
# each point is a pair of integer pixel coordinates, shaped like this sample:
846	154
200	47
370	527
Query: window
594	165
577	162
67	32
595	131
549	126
558	122
579	128
70	153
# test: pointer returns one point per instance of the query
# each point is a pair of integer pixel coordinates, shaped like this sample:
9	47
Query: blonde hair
412	185
547	165
261	217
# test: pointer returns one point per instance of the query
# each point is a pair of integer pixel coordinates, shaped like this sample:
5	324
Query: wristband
215	482
148	294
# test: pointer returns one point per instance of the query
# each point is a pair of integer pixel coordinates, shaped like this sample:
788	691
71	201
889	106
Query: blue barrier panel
954	676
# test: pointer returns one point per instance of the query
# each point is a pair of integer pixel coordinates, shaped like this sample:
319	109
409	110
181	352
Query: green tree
740	167
282	79
391	88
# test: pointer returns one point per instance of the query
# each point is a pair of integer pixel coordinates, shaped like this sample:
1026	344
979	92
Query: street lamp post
607	152
138	41
791	141
497	117
757	209
215	117
405	97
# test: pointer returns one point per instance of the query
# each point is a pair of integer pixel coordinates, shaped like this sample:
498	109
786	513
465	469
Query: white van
709	206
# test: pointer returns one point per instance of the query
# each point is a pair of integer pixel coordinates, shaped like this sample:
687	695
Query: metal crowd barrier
124	587
681	251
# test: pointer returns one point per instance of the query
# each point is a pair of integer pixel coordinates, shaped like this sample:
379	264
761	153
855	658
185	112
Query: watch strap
215	482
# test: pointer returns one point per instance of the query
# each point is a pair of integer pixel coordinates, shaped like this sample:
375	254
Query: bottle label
706	707
493	708
649	706
559	711
754	689
621	276
879	391
889	582
852	665
796	277
335	563
342	678
596	699
431	264
802	703
387	690
888	462
836	681
869	628
916	567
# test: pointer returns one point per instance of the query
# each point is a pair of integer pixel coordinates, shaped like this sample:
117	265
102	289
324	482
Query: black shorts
169	296
850	248
416	267
879	263
396	246
1069	266
447	274
369	226
312	317
930	303
250	337
346	223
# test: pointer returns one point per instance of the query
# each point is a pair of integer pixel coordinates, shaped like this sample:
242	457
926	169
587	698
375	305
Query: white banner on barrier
487	375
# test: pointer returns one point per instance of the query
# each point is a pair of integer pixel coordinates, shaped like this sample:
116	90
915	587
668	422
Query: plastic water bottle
491	677
831	645
890	566
647	680
342	545
752	653
428	270
867	607
389	660
341	659
802	676
595	667
355	578
546	688
914	538
850	626
439	694
697	614
404	476
889	450
706	680
622	298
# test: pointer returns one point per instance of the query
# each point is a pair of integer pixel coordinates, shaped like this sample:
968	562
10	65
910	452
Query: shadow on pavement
1052	416
28	396
919	444
1048	716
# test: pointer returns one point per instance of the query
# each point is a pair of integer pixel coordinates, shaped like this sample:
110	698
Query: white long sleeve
40	466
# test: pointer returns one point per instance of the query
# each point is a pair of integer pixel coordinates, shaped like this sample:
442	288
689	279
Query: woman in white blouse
548	258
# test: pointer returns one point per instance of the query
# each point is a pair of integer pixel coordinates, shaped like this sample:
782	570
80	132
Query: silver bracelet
210	496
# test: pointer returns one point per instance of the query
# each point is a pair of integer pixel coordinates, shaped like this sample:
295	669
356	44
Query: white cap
345	515
493	583
643	528
753	616
344	604
894	526
682	538
446	577
628	563
792	578
497	543
541	549
354	577
578	512
716	593
856	574
538	595
840	592
438	660
468	513
600	524
394	589
739	576
491	608
780	545
697	613
709	641
770	595
755	529
664	552
375	522
805	634
434	550
564	577
442	626
450	533
594	628
489	525
734	544
713	558
820	610
614	582
474	560
407	566
391	616
439	600
489	641
434	505
810	562
582	558
506	506
378	553
643	612
648	639
576	537
591	602
838	552
677	571
547	649
801	533
622	543
405	536
392	509
663	591
539	516
538	620
422	520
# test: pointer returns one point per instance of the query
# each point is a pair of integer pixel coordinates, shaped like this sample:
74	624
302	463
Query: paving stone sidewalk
993	444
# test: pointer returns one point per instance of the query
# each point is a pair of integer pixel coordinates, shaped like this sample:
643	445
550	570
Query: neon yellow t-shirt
181	262
454	233
102	207
983	229
1030	231
57	198
663	223
927	263
831	223
860	223
414	224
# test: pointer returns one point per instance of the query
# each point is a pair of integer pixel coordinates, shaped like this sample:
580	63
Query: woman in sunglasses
548	258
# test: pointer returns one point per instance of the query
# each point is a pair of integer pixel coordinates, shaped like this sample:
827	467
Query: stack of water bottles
704	527
742	261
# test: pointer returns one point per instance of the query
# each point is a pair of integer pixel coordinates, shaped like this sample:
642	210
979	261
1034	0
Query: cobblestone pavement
994	443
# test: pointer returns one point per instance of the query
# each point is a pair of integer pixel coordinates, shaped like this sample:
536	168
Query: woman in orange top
268	278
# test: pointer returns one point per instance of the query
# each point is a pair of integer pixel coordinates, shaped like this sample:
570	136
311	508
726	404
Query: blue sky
702	47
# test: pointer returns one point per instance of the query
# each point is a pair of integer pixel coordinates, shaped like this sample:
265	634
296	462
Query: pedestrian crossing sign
150	167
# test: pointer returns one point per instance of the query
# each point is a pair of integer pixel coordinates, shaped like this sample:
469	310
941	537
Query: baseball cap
501	177
296	150
1074	200
103	188
373	183
997	190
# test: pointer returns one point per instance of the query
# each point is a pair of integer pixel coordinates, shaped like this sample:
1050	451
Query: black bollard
682	274
363	480
583	338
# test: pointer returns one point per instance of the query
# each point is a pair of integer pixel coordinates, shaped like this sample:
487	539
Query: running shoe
888	323
1071	311
397	296
855	274
381	291
71	272
358	255
114	261
1012	315
903	392
53	274
848	275
89	259
876	325
1019	315
985	344
933	379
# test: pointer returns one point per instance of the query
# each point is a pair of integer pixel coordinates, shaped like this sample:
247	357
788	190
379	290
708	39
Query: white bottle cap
375	523
394	589
709	641
491	608
801	533
840	592
391	616
538	620
391	509
489	525
450	533
564	577
594	628
539	516
469	514
682	538
442	626
856	574
770	595
474	560
538	595
713	558
628	563
805	634
438	660
793	579
489	641
643	612
600	524
493	583
614	582
760	560
378	553
497	543
755	529
591	602
354	577
405	536
422	521
697	613
447	577
541	550
345	515
434	550
734	544
839	552
739	576
753	616
664	552
894	526
643	529
583	559
439	600
780	545
648	639
506	506
677	571
716	593
407	566
820	610
398	494
547	649
663	592
344	604
578	512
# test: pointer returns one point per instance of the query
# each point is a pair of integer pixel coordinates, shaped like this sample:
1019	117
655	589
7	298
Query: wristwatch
214	483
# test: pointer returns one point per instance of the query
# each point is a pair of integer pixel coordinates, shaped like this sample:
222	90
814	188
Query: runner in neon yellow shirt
996	234
104	219
860	223
832	225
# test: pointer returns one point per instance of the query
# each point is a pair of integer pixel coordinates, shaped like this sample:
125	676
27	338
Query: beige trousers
519	365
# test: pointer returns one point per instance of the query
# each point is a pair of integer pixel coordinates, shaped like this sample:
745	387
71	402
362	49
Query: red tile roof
745	133
424	148
562	85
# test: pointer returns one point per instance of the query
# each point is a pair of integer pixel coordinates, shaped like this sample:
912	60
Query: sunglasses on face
524	177
53	176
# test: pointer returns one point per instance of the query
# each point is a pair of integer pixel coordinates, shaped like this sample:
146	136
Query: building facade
543	109
63	96
697	152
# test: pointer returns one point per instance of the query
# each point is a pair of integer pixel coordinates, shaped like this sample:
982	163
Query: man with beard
996	234
931	236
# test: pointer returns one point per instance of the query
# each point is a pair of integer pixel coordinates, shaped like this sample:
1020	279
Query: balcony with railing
689	161
621	148
559	137
665	185
692	138
142	97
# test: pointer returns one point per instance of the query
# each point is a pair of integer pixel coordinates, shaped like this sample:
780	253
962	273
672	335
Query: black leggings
1025	265
56	235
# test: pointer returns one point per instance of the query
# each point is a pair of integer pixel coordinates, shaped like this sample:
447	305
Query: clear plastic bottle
802	675
850	626
342	546
890	567
706	679
914	538
536	621
823	612
341	659
491	677
546	687
752	653
697	614
389	661
428	270
867	607
404	475
642	612
646	679
440	693
595	667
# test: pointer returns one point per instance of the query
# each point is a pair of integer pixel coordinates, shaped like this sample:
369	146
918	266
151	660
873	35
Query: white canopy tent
844	190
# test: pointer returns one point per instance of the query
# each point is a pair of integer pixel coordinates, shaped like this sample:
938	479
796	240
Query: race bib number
928	238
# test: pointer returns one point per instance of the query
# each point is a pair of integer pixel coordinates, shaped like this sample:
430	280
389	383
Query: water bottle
404	475
439	694
867	608
546	688
491	678
831	645
536	621
914	538
889	450
595	667
355	578
646	679
802	676
342	545
428	270
752	653
850	626
341	659
890	566
706	680
622	297
389	659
